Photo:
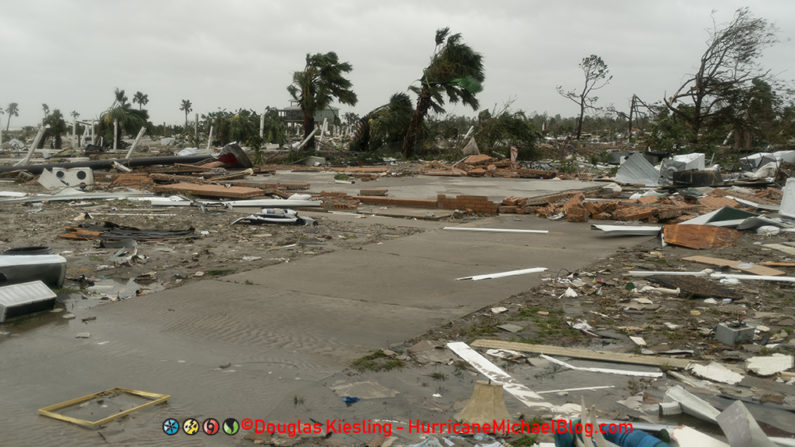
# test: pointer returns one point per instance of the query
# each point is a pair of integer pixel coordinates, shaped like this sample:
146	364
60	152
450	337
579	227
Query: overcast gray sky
232	54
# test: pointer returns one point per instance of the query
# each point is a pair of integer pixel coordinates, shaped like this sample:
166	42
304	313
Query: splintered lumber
737	265
157	177
591	354
700	237
232	192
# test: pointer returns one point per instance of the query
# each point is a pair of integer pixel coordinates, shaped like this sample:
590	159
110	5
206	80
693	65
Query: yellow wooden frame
50	411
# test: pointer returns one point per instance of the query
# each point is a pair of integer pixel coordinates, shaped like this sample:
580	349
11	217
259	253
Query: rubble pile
482	165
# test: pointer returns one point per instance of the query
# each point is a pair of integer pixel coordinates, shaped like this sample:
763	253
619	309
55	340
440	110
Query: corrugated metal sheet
26	297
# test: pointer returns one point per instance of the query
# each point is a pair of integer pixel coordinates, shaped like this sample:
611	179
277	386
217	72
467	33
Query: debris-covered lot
345	293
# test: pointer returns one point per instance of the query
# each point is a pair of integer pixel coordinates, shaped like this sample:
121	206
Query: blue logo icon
171	426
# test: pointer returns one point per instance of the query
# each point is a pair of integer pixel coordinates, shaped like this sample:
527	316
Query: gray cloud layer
230	54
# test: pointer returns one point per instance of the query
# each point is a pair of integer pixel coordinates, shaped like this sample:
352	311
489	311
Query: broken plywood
700	237
232	192
737	265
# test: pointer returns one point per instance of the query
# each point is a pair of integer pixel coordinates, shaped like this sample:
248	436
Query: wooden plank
50	411
737	265
778	264
700	237
232	192
605	356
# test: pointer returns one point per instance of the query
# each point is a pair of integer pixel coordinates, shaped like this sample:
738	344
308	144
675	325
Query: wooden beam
606	356
232	192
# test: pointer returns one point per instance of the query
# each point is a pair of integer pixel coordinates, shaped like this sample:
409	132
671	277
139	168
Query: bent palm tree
320	82
455	70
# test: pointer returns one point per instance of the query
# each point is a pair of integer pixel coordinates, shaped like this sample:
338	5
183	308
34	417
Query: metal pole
25	161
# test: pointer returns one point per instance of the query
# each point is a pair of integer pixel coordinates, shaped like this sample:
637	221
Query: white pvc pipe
496	230
504	274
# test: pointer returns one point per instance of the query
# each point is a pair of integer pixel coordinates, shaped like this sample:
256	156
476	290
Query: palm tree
455	70
121	98
187	107
46	109
57	127
320	82
141	98
129	120
11	110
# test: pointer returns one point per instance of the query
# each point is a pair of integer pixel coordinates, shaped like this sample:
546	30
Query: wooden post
210	138
262	125
135	143
115	134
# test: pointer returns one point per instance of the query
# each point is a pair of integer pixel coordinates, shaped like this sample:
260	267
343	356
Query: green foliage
377	361
243	126
350	118
498	133
130	120
57	127
385	125
320	82
669	133
455	72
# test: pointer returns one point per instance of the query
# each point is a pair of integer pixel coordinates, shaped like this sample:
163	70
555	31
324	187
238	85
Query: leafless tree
596	76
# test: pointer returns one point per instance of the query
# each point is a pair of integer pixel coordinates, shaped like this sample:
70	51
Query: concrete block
733	336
